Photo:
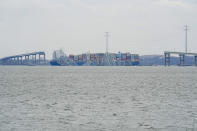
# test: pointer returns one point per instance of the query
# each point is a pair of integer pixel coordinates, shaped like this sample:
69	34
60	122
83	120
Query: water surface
98	98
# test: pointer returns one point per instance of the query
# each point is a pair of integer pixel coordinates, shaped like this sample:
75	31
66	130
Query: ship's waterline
98	98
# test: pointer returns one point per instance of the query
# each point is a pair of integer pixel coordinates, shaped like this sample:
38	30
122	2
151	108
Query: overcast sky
77	26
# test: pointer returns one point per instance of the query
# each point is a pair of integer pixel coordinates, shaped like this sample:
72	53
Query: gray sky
77	26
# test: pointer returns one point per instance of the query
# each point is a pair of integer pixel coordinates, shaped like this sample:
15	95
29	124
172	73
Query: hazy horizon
78	26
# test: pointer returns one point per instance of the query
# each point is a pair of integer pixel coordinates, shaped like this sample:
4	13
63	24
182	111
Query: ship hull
55	63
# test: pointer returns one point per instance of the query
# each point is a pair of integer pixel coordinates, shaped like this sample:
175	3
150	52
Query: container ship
95	59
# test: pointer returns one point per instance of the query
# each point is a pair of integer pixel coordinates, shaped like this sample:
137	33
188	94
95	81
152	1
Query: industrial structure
34	58
95	59
182	55
186	30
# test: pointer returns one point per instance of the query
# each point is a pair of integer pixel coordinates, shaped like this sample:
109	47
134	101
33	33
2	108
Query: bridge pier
9	61
44	57
39	58
21	61
167	59
17	60
25	61
182	59
28	59
35	58
12	61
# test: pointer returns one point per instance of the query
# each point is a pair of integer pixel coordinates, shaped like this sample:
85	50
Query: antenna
107	40
107	53
186	29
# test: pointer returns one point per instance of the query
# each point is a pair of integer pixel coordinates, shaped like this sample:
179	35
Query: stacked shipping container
100	58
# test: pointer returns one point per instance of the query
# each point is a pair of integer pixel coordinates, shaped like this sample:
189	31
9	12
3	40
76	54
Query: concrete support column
17	60
25	61
195	60
44	57
14	61
182	59
28	58
39	58
35	58
21	60
9	61
167	59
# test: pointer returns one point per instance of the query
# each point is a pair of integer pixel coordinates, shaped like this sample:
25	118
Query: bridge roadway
24	59
181	57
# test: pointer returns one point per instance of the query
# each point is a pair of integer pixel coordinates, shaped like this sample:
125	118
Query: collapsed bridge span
34	58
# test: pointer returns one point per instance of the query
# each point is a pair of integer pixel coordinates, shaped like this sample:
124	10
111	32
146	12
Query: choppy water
98	98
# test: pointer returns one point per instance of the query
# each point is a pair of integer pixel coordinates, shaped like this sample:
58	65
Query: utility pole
107	49
186	29
107	37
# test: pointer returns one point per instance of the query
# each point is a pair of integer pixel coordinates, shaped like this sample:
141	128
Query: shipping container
80	57
128	58
84	57
132	57
124	56
136	56
92	57
99	55
75	58
128	54
118	55
71	57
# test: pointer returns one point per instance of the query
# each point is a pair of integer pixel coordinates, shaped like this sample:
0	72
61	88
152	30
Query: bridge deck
180	53
21	55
